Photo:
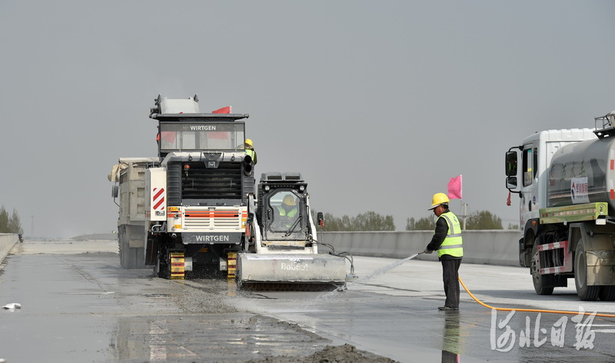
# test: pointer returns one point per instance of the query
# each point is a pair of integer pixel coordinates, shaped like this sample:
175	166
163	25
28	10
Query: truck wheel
161	268
586	293
607	293
538	279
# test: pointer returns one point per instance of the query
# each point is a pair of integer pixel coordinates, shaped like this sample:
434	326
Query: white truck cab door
529	184
513	172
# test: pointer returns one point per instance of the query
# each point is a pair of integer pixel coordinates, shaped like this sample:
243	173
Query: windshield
216	136
287	220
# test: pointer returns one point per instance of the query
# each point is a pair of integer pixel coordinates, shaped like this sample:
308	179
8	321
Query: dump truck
566	183
193	210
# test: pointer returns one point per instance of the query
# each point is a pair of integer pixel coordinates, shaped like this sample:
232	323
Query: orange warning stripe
214	214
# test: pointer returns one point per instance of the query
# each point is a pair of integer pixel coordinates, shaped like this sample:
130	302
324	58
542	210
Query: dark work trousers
450	275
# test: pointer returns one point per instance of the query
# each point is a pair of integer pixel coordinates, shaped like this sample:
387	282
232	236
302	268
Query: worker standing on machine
448	242
250	151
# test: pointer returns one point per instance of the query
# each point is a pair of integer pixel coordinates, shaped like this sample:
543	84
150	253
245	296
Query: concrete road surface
78	305
394	313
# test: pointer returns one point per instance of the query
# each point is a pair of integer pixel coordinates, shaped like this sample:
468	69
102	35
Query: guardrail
7	241
491	247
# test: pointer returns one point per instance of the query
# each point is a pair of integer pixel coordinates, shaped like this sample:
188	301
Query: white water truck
566	183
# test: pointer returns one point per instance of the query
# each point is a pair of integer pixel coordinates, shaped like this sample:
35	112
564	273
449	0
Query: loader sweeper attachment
281	247
291	272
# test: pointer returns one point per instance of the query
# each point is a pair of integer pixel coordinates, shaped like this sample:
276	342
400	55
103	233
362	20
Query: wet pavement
81	307
84	308
395	314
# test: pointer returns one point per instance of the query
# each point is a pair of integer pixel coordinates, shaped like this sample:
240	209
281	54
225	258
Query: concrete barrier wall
7	241
493	247
499	247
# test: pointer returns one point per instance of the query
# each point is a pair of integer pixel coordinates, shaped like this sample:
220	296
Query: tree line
372	221
369	221
10	224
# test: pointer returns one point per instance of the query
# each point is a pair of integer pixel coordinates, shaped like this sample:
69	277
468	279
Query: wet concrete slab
395	315
79	306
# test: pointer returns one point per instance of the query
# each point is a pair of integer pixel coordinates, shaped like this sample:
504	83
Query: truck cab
527	174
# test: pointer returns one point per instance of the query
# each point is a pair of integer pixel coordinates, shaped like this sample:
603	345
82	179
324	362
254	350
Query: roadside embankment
7	241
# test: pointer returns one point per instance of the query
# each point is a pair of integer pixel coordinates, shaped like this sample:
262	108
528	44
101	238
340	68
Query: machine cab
286	215
183	128
200	135
284	209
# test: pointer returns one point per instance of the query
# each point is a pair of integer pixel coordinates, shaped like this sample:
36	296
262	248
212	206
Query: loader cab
283	207
287	217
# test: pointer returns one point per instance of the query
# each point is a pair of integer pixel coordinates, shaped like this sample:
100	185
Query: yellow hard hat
289	200
249	142
438	198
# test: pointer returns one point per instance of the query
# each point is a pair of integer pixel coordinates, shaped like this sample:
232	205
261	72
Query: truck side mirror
115	191
321	219
511	164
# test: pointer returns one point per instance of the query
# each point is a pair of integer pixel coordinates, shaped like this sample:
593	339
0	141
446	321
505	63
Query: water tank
583	172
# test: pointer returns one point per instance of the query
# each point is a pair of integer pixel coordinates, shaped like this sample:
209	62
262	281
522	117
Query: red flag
226	109
454	188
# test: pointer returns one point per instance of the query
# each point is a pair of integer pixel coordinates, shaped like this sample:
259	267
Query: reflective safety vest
291	213
452	244
252	154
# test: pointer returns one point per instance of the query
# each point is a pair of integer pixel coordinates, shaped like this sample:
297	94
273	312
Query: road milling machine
193	210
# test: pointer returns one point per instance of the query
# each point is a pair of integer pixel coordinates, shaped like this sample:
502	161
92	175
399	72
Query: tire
607	293
162	268
538	279
586	293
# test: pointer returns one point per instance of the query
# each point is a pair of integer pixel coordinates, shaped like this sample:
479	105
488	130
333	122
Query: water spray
384	269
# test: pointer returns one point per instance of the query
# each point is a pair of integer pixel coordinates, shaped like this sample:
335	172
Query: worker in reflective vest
250	150
287	211
289	206
448	242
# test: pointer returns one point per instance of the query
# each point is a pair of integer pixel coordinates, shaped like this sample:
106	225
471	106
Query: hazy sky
377	103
